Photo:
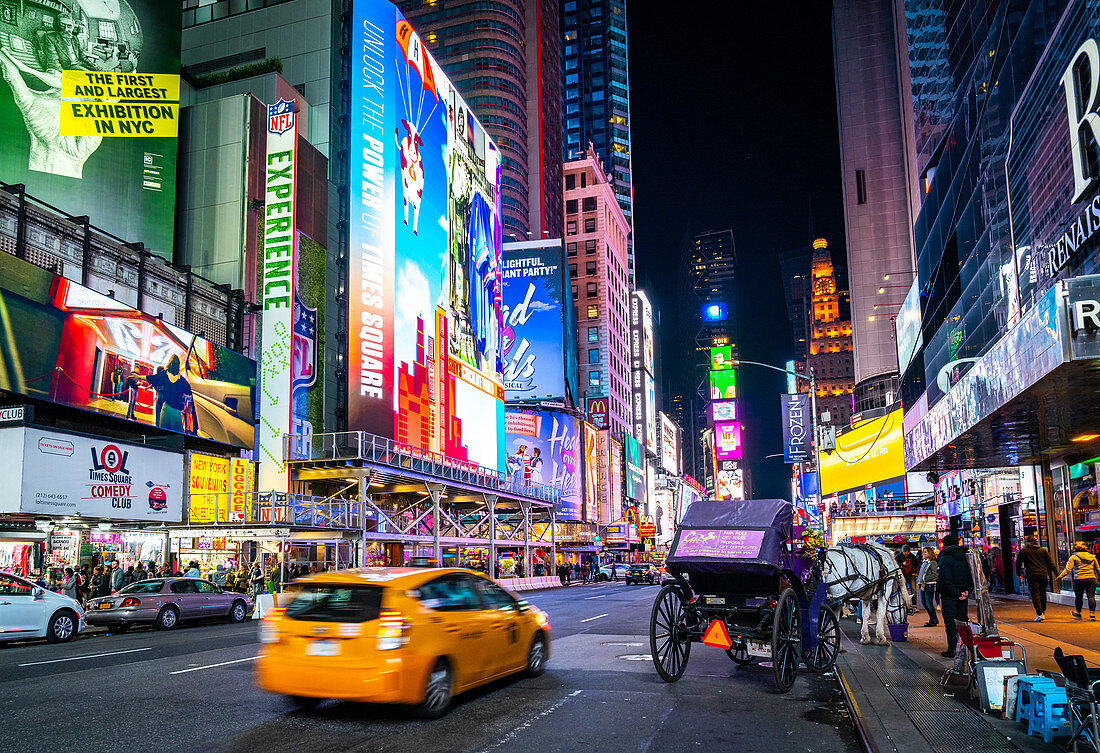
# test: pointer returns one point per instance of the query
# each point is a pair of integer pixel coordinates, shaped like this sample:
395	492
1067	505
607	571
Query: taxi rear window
332	603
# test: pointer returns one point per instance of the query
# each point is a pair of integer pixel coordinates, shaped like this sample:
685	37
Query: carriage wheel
786	641
828	642
739	653
669	642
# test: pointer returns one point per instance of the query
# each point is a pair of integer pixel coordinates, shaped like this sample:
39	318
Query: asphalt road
192	690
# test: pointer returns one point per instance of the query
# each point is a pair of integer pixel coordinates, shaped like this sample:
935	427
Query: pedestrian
910	564
70	585
1082	563
139	571
96	583
257	578
926	583
192	570
276	578
118	578
614	572
1037	563
955	582
128	578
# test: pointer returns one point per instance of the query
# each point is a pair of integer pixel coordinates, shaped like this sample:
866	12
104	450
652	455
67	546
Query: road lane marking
211	666
601	596
86	656
527	724
594	618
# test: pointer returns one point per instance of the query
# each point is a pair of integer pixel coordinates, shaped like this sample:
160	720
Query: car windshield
335	603
143	587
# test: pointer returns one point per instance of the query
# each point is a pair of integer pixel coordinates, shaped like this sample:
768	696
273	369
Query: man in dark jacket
955	584
1038	564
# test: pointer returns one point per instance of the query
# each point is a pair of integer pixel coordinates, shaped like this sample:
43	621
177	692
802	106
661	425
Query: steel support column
435	491
553	541
491	505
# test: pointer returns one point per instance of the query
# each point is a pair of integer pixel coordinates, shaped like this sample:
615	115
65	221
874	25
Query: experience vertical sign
280	266
797	437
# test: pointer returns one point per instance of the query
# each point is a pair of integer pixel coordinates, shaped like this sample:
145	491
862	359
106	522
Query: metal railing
277	509
361	445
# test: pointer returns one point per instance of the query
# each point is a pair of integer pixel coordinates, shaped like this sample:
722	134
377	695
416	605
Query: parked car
642	573
164	602
30	611
412	636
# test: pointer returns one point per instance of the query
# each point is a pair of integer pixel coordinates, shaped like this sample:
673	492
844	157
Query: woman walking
1082	563
926	582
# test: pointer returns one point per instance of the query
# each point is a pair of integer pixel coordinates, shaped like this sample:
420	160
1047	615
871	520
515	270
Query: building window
572	270
593	379
571	249
590	203
593	334
571	228
861	187
593	311
594	355
590	267
571	206
570	181
592	290
590	225
584	179
574	292
590	247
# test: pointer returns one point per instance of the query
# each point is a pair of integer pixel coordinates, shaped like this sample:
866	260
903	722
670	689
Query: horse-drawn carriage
741	584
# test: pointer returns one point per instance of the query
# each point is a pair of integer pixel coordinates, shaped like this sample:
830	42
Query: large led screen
70	345
89	110
870	453
723	384
591	475
424	298
727	440
544	447
535	300
634	476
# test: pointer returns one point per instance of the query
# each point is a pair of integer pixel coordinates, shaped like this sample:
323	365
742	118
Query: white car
30	611
604	573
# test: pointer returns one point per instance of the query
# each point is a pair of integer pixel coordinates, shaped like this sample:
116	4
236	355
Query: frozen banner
545	448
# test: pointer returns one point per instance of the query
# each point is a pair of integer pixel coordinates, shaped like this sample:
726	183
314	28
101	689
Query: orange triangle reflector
717	635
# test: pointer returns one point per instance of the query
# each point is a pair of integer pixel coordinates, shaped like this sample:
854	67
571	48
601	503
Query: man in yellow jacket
1085	568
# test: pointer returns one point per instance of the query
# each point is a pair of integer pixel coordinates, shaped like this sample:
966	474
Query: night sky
733	124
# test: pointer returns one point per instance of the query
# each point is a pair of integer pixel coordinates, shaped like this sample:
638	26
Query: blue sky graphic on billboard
534	288
544	447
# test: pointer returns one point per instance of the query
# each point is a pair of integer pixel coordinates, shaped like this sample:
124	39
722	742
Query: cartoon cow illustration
412	171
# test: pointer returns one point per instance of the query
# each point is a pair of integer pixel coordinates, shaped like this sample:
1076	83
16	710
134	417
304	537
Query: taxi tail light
393	630
130	601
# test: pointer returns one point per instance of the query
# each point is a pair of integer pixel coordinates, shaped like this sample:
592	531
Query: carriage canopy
744	536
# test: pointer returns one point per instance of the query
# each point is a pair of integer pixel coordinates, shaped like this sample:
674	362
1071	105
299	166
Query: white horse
866	572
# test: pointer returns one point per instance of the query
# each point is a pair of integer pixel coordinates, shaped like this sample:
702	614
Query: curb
869	744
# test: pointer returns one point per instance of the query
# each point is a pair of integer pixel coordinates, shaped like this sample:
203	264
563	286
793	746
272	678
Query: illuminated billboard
721	358
714	312
730	484
670	445
591	474
70	345
598	411
634	472
727	440
723	410
424	299
539	340
89	107
544	447
723	385
641	332
870	453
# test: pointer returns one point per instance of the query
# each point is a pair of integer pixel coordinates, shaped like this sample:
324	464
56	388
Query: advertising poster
663	517
634	470
242	474
650	415
544	448
207	488
721	358
723	384
598	410
731	484
727	440
591	465
70	345
424	299
77	475
535	296
870	453
723	410
670	445
89	107
722	543
615	466
797	427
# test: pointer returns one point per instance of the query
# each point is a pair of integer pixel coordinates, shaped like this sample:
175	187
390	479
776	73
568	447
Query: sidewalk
895	695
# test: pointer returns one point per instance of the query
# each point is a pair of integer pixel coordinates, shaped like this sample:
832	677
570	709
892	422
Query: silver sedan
164	602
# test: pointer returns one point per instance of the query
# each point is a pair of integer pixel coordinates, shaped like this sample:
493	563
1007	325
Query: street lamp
813	409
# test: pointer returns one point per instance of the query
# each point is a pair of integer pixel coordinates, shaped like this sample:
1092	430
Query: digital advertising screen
89	110
727	440
650	415
871	452
634	473
721	358
670	445
544	447
723	410
723	385
424	301
535	300
70	345
591	474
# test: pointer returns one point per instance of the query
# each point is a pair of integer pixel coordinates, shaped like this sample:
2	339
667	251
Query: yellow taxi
412	636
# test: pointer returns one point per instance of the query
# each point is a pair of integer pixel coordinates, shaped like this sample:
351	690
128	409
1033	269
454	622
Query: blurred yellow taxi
398	635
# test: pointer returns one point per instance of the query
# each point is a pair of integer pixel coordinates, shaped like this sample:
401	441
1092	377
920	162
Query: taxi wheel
62	627
437	692
168	618
536	656
304	702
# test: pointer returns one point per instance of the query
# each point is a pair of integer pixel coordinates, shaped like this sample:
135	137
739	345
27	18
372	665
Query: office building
596	237
830	351
506	59
874	114
794	273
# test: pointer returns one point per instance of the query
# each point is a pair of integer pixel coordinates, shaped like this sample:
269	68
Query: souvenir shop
23	552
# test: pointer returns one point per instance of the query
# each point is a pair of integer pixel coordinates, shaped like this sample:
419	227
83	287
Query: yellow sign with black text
119	105
870	453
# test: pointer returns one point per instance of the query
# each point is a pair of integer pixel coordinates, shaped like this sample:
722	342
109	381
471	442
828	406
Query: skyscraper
507	64
830	352
597	90
877	158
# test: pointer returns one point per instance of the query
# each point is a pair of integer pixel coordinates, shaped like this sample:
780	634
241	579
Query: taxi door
463	626
505	625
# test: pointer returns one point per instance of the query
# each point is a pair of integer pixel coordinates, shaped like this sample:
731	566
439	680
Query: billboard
797	427
424	298
207	487
871	452
650	414
641	332
634	472
615	478
730	484
544	447
90	110
723	385
93	477
598	409
721	358
664	511
70	345
670	445
537	300
714	312
727	440
591	467
723	410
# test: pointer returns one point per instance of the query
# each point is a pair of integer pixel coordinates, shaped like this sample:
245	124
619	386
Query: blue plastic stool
1025	696
1050	716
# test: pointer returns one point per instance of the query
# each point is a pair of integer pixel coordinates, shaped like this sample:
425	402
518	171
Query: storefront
23	551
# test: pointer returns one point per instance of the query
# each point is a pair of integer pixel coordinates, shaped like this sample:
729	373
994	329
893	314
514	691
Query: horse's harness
853	570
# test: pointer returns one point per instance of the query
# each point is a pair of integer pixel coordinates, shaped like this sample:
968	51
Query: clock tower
830	351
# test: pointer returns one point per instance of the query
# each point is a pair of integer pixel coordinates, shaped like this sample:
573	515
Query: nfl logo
280	116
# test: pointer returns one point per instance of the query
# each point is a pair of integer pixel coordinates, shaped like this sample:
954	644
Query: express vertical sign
277	293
